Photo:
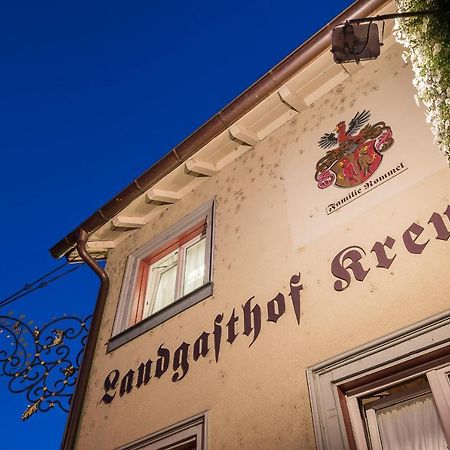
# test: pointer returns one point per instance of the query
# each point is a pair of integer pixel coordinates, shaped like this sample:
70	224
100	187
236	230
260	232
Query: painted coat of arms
356	152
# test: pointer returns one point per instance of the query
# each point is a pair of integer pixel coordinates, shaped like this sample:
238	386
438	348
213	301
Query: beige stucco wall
270	224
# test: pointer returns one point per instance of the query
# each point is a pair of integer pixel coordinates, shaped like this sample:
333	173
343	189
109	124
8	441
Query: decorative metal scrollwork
42	363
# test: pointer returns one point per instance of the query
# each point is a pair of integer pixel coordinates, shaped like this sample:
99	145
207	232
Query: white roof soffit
304	88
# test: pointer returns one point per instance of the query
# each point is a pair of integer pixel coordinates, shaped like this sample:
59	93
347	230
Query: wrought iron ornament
42	363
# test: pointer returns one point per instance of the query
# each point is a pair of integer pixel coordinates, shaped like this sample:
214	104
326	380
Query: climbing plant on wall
427	42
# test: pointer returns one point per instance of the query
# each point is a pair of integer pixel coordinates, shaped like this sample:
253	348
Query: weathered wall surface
271	224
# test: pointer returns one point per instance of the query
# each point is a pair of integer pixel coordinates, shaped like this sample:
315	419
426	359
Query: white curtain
411	425
194	271
166	289
161	283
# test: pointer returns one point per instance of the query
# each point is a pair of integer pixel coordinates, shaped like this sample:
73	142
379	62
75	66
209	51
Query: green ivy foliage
427	42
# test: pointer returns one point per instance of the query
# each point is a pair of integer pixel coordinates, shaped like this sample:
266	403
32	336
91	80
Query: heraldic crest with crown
356	152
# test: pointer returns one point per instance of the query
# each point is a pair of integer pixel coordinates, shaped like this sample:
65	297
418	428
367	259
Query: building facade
285	284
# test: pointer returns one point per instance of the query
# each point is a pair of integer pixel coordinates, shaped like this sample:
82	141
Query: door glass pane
194	271
411	425
161	283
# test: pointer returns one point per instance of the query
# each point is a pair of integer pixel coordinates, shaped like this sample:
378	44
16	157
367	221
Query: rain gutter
76	406
235	110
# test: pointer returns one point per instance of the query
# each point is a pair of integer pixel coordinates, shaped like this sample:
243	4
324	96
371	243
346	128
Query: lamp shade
355	42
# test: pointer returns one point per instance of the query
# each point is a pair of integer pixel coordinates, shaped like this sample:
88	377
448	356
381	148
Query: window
187	435
166	276
403	414
393	393
173	271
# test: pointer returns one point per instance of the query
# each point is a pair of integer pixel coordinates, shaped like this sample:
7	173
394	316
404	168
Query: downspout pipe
76	407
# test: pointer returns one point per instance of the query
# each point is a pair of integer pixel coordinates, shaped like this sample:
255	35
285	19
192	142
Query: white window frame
325	379
122	331
440	385
193	429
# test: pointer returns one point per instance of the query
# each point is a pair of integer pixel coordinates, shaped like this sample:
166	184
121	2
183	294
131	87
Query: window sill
154	320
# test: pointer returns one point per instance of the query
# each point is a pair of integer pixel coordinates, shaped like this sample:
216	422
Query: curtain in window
194	266
166	289
161	283
411	425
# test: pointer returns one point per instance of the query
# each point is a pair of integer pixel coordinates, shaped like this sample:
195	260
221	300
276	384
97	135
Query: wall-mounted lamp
358	39
354	43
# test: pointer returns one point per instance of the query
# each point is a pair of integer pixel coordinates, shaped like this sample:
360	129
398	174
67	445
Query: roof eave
220	122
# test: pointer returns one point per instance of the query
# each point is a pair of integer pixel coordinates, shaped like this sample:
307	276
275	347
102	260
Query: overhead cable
40	283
